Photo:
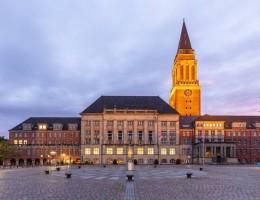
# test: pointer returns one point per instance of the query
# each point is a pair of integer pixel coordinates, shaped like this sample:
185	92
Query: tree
7	151
2	139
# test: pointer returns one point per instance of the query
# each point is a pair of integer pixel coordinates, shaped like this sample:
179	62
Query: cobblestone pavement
162	182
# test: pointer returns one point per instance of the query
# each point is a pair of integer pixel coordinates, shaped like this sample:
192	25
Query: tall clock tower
185	92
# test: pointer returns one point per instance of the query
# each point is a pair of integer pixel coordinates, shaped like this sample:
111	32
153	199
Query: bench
130	177
47	171
58	168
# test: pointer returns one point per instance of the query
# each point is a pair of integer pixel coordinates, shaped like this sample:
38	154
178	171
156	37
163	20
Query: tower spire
184	42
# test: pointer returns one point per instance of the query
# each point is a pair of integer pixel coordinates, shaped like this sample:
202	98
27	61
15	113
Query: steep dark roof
50	121
130	102
250	120
186	122
184	42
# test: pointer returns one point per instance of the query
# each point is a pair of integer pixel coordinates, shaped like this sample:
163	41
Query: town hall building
146	129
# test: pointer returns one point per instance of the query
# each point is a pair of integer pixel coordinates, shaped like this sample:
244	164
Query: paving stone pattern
162	182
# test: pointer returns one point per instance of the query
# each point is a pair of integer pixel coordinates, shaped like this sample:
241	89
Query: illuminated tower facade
185	92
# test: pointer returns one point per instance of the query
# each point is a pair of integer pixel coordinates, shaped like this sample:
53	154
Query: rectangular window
140	123
245	142
228	134
28	152
110	123
130	123
130	135
15	142
172	141
25	134
172	151
150	151
172	123
109	135
110	151
96	140
239	134
88	123
140	151
20	142
42	126
96	123
164	123
120	123
163	151
244	133
120	135
172	133
119	151
150	123
49	134
140	135
150	136
88	140
87	151
96	132
244	151
88	132
96	151
21	134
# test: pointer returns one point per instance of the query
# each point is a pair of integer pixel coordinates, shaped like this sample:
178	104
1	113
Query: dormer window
73	126
27	126
42	126
57	126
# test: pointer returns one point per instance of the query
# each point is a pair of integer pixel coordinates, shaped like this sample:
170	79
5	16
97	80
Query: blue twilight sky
58	56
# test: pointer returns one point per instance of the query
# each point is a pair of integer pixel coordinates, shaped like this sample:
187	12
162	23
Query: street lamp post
41	161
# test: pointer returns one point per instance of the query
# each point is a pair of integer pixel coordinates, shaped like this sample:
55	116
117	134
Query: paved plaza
162	182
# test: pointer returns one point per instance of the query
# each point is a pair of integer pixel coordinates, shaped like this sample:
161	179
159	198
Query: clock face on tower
188	92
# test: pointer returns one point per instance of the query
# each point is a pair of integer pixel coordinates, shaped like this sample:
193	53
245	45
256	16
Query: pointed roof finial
184	42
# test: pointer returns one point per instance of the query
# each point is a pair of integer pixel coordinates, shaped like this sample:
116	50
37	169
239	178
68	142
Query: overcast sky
58	56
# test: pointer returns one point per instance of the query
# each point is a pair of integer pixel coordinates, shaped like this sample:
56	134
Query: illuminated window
150	151
25	142
119	151
140	151
42	126
15	142
96	151
87	151
163	151
109	150
20	142
172	151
